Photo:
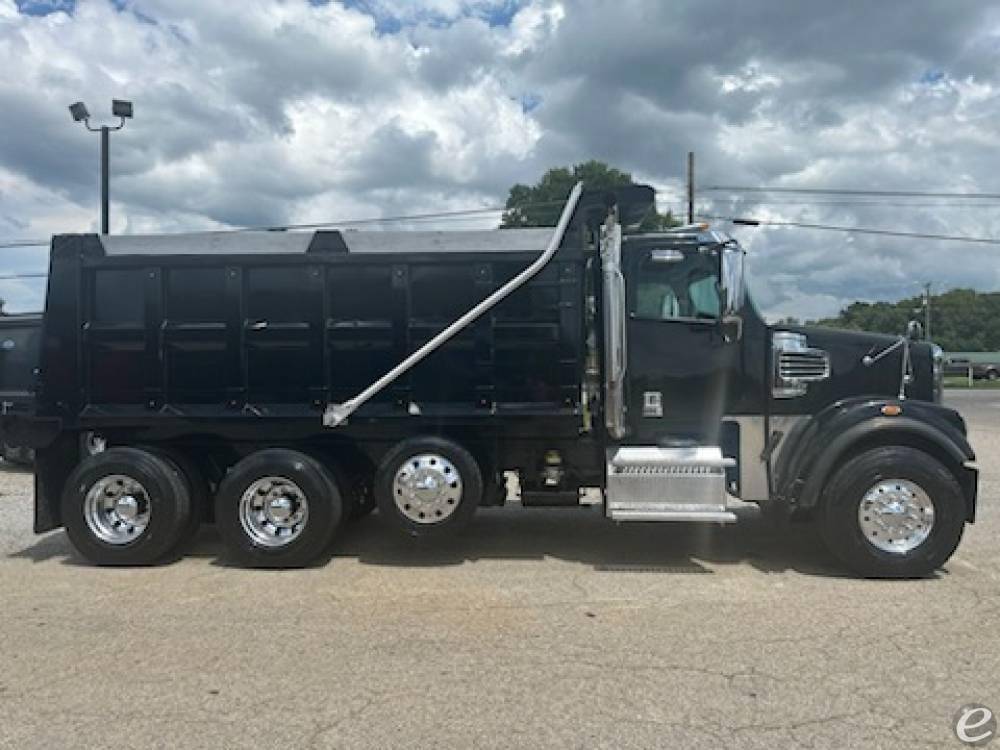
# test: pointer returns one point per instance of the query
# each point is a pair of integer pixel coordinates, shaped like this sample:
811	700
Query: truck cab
278	383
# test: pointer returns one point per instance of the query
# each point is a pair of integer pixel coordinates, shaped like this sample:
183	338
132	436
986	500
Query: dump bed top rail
362	243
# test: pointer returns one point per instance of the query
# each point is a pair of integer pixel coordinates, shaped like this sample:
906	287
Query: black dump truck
280	383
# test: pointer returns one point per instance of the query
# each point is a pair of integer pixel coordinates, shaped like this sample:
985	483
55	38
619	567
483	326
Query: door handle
260	325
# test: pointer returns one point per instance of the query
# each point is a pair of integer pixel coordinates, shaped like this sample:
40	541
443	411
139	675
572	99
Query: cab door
680	367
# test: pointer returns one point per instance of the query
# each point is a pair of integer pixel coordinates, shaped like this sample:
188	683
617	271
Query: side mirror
914	331
732	291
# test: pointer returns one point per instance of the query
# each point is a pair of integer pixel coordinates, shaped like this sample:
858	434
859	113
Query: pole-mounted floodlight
121	109
79	111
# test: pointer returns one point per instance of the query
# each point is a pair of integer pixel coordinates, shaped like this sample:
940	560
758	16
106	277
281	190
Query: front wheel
428	486
893	512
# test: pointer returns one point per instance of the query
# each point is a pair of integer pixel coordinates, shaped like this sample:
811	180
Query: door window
683	289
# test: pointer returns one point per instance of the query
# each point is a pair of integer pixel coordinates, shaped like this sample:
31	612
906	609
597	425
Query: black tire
471	485
201	494
318	489
845	490
166	496
992	374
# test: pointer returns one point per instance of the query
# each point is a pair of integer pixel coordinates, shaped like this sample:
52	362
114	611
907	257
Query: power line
474	213
373	220
25	243
467	213
856	230
438	215
846	191
876	203
11	276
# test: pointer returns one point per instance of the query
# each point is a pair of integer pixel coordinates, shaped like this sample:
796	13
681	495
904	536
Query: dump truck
280	383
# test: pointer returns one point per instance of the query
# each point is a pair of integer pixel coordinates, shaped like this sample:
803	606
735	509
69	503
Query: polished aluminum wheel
274	511
117	509
427	488
896	516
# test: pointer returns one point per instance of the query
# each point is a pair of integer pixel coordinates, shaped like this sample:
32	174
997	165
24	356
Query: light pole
120	109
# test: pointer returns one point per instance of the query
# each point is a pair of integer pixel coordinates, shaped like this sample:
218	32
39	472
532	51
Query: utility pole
927	311
690	185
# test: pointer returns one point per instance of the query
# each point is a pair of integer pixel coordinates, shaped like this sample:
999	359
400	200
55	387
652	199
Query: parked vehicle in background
284	382
956	365
20	336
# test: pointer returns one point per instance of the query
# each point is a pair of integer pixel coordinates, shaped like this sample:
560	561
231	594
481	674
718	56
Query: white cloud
269	112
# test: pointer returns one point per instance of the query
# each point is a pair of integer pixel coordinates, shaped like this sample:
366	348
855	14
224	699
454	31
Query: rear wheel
428	486
126	506
893	512
992	374
277	508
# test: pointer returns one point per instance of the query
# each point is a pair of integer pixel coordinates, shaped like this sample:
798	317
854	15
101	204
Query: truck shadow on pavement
534	534
587	537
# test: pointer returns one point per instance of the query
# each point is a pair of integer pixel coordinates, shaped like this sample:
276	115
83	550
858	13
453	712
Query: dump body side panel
202	336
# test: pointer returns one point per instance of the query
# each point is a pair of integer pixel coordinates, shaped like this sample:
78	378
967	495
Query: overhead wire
471	214
24	243
856	230
467	213
875	203
847	191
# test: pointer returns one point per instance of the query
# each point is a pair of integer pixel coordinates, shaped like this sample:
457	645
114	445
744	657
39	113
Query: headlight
938	356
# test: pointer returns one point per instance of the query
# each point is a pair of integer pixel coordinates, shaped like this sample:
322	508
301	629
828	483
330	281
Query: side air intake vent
796	364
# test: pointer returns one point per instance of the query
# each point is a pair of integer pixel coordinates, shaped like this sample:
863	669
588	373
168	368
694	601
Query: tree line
962	320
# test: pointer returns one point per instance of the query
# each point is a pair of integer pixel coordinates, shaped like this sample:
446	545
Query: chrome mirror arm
906	376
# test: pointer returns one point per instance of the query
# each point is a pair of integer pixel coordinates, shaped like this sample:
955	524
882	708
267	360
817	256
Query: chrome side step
650	483
673	514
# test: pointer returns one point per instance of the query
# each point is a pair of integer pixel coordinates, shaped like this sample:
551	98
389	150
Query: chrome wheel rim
274	511
896	516
117	509
427	488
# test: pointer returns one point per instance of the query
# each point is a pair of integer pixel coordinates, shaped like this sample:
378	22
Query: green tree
539	205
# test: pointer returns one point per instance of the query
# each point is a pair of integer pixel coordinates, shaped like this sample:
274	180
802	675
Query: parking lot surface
538	628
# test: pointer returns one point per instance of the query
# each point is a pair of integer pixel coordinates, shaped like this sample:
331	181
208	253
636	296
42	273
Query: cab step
654	483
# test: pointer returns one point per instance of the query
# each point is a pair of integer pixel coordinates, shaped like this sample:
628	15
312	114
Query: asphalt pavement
538	628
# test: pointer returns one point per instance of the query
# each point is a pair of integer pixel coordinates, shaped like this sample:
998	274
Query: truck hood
849	376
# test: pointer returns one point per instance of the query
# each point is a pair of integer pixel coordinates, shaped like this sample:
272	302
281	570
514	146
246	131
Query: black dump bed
246	325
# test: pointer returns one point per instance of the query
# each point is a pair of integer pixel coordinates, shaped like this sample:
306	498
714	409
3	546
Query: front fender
851	427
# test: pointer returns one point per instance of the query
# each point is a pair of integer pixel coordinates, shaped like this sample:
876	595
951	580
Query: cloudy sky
261	112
